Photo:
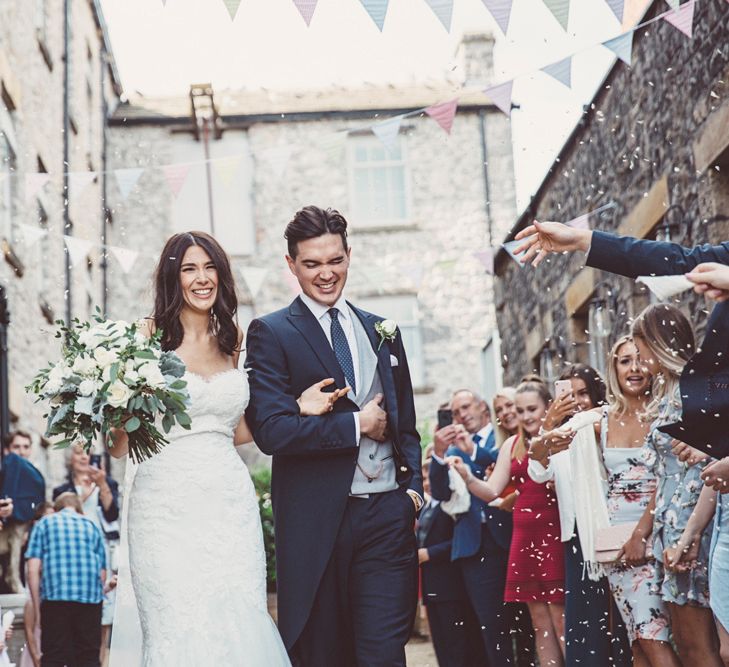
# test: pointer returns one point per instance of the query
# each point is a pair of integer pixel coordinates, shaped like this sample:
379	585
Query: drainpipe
67	225
104	210
4	401
485	162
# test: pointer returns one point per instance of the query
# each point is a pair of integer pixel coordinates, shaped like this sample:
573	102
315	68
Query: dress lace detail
195	543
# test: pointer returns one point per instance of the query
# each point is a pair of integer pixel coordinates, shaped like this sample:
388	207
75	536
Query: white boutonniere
386	330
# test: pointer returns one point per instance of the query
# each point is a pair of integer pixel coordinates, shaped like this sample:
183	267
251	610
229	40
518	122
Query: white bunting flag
254	277
443	114
31	234
34	183
176	175
78	249
377	9
78	181
622	47
278	159
561	70
232	7
617	7
125	257
306	9
501	11
683	18
510	246
560	9
387	132
486	257
126	179
501	96
580	222
673	4
443	9
226	167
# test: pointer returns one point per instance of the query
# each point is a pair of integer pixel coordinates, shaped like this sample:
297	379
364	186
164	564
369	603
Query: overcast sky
161	50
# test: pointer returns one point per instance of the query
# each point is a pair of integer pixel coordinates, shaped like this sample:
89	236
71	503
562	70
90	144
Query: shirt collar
485	432
319	310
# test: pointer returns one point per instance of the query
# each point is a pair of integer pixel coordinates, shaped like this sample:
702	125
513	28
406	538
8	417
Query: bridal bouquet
112	376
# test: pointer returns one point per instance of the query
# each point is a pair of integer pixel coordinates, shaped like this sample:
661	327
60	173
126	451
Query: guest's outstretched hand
711	279
541	238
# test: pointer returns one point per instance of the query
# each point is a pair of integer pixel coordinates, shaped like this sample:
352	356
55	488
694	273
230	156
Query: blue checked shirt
71	550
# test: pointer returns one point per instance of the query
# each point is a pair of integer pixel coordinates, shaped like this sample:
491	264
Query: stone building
654	143
241	163
56	89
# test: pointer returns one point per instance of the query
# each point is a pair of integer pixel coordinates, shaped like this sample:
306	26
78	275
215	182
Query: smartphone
95	460
562	388
445	418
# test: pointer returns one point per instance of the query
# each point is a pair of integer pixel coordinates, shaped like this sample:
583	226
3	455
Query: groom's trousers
364	608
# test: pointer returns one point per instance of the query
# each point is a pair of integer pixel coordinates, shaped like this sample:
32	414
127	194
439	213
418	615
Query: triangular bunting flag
501	11
560	9
617	7
78	249
443	113
125	257
333	143
501	96
673	4
30	234
226	167
387	132
377	9
580	222
291	282
126	179
443	9
254	277
176	174
562	71
486	257
278	158
80	180
232	7
34	183
683	18
510	246
306	9
622	46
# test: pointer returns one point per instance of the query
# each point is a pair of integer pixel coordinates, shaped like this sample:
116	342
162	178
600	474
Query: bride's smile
198	279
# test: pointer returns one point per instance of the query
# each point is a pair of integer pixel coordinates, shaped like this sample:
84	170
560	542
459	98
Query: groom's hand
373	420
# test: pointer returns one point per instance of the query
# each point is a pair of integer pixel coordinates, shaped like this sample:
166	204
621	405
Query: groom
346	485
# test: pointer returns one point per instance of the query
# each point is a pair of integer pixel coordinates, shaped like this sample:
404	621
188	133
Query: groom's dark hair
312	221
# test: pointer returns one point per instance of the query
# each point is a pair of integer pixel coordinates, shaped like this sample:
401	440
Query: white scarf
590	488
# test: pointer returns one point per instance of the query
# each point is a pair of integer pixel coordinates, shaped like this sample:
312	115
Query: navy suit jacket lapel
305	322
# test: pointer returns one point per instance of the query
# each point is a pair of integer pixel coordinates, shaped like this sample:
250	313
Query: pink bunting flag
78	181
617	7
501	11
443	114
78	249
306	9
683	18
562	71
292	284
176	175
34	183
560	10
443	9
501	96
486	257
232	7
125	257
377	9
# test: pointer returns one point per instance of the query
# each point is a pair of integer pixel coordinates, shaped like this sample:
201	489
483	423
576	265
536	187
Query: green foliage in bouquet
113	376
262	483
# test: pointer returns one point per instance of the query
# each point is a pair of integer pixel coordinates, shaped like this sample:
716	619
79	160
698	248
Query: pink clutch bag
609	541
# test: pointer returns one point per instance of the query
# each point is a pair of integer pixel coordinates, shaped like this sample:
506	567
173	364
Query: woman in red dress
536	557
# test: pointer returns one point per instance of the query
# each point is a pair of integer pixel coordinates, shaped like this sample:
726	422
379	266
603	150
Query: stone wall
654	142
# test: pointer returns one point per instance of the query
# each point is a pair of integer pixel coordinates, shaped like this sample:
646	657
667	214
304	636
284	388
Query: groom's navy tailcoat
705	379
314	457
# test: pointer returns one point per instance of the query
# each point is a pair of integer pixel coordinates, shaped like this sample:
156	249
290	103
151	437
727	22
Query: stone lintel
713	140
648	212
580	291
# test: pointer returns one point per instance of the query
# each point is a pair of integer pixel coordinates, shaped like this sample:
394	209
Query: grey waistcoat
371	452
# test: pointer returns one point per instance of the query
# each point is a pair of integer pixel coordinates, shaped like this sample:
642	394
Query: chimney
475	57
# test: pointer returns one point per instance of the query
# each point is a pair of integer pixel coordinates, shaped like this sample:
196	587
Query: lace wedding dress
196	554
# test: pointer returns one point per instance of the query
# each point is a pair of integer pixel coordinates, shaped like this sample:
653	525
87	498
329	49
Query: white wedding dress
196	554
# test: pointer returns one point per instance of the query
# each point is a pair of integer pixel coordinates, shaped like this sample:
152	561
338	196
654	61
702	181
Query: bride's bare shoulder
147	326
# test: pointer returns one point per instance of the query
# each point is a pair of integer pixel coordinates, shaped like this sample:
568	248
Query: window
403	309
43	252
378	182
491	366
89	118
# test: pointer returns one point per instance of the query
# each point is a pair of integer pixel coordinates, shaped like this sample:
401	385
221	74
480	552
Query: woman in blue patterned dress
665	342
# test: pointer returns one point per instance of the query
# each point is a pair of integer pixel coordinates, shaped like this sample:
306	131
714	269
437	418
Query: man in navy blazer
481	536
346	485
704	382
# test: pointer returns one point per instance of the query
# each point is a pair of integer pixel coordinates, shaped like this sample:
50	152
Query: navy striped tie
341	348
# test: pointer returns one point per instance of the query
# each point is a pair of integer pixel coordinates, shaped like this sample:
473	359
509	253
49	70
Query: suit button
372	457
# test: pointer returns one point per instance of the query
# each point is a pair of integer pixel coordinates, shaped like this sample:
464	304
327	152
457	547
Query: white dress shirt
559	469
321	313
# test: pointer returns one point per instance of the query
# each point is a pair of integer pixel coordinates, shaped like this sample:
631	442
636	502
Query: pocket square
394	361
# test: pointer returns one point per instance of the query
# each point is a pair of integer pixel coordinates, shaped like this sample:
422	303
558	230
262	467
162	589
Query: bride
196	556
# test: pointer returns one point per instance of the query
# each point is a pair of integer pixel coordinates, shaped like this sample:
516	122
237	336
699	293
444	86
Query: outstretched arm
498	481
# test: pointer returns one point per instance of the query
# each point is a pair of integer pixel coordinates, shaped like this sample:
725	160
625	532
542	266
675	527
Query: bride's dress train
196	552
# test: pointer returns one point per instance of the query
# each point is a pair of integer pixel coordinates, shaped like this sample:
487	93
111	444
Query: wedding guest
482	534
536	558
506	422
18	442
665	342
589	634
66	574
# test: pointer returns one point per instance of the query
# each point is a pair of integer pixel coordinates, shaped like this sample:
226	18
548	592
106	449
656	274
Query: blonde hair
519	450
501	434
668	335
615	396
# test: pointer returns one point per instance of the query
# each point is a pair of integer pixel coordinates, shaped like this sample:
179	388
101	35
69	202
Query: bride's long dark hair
169	301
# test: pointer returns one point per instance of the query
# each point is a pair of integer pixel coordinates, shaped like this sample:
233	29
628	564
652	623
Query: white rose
119	394
130	372
152	374
84	365
106	374
388	327
53	386
88	387
105	357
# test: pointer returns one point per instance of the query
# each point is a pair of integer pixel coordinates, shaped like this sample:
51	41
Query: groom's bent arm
273	414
